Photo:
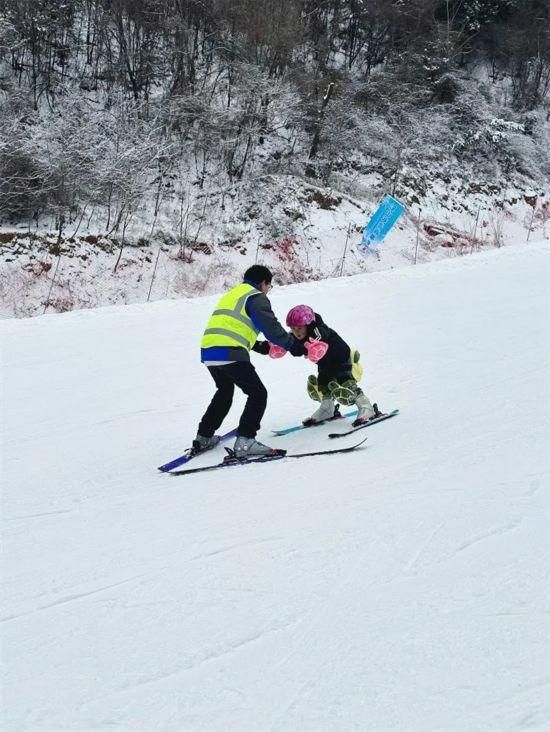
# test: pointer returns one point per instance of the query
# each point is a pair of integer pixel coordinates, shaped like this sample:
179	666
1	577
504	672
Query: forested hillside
203	126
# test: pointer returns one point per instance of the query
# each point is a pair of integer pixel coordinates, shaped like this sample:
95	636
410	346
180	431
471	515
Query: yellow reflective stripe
235	314
229	334
239	305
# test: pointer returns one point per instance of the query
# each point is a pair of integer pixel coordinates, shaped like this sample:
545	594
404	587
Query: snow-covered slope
404	586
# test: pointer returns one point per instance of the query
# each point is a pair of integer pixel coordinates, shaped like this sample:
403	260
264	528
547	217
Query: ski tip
352	447
169	466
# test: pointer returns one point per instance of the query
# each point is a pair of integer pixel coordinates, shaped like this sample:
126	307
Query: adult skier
231	333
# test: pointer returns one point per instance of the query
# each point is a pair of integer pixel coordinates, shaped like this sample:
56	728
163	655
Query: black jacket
337	360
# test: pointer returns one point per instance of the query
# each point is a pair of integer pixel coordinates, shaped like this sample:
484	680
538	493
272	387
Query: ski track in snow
400	587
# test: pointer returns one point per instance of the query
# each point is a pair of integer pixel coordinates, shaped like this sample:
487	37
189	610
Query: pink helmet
300	315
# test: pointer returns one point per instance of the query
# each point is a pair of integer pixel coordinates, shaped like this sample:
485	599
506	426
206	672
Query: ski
288	430
372	421
190	453
280	454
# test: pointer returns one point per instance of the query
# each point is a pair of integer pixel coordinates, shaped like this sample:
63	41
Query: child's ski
374	420
231	460
190	453
288	430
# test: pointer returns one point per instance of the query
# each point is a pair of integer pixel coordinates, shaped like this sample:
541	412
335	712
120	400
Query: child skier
338	368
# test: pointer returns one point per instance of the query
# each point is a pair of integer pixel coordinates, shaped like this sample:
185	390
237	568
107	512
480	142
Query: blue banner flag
380	223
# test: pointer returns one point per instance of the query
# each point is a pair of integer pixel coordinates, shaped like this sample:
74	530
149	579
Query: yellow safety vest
229	324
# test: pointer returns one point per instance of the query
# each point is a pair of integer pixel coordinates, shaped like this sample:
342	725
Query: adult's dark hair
258	273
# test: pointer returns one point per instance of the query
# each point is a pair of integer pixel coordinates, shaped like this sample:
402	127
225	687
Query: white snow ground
403	587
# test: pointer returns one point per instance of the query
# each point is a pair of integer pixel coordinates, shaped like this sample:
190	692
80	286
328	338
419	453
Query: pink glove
315	349
276	351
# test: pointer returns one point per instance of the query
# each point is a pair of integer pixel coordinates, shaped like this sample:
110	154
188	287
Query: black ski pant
241	374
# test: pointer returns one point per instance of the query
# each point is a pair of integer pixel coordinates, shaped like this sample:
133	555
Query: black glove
297	347
261	347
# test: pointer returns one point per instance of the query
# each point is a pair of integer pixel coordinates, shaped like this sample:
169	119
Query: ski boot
366	410
246	447
202	443
327	410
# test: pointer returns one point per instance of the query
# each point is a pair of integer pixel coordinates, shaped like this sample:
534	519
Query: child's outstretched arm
260	312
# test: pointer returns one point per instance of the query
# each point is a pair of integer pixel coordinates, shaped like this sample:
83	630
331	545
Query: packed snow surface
403	586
